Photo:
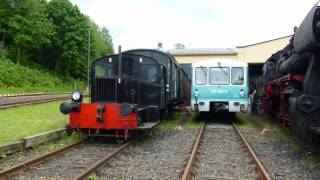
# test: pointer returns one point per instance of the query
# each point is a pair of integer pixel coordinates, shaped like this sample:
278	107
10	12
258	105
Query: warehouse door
255	71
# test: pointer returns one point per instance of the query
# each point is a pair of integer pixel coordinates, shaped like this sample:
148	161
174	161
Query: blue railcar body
219	85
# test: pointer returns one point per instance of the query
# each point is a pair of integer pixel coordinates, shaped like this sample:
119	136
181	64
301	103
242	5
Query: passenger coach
219	85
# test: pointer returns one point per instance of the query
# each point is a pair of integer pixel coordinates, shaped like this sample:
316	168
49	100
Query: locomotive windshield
219	76
106	68
237	76
132	66
149	72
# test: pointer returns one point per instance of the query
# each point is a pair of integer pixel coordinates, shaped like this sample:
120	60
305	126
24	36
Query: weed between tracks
178	119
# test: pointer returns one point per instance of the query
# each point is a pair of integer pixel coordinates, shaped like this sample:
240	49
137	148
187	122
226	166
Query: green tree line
52	34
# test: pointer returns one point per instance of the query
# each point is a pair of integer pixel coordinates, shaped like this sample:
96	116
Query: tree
27	27
101	43
51	33
179	46
70	43
107	39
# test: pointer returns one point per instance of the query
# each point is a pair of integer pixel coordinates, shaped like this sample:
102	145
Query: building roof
202	51
264	41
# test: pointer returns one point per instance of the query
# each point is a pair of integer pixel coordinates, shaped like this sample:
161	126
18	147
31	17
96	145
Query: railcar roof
224	62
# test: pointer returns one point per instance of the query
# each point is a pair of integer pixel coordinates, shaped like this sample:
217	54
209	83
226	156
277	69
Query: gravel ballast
221	156
163	157
284	156
70	164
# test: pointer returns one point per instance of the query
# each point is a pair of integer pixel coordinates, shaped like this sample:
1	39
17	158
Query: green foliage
53	34
92	177
179	46
16	78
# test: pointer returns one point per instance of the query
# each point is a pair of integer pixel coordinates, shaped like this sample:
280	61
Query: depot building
255	55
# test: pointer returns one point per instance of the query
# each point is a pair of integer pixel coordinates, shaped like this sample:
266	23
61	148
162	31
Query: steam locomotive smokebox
153	113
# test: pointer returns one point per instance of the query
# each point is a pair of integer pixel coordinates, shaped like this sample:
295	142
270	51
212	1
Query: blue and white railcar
219	85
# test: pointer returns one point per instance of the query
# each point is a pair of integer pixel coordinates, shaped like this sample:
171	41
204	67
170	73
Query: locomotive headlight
76	96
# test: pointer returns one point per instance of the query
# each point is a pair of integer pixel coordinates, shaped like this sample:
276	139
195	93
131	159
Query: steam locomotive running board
147	126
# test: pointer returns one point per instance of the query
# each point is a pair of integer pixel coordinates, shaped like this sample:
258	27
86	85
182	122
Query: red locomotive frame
275	98
110	119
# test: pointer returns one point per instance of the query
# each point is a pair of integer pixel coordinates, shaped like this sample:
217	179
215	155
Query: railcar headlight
76	96
196	93
241	93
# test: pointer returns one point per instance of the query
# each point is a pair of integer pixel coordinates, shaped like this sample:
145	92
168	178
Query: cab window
237	76
201	75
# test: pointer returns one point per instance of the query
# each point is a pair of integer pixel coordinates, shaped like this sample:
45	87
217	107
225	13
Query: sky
195	23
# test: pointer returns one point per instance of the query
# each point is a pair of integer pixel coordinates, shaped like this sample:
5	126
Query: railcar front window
219	76
201	75
237	76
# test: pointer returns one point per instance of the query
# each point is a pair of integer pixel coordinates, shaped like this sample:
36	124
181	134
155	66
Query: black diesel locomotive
129	91
290	85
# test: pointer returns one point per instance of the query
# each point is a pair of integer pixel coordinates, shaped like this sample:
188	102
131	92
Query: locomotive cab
127	93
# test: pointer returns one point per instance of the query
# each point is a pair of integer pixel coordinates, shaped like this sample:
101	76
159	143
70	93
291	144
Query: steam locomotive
289	86
131	90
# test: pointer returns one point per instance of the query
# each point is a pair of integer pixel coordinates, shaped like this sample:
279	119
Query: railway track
76	161
221	152
15	101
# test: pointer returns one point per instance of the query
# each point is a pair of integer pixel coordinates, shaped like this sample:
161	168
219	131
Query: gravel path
221	156
282	157
70	164
163	157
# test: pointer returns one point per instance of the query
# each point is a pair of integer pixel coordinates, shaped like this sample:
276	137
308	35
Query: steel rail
32	94
260	169
11	105
99	164
187	171
33	162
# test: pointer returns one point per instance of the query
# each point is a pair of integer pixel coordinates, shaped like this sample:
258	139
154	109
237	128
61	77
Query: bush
16	78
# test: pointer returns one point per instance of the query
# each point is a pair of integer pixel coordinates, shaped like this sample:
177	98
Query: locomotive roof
155	50
116	55
224	62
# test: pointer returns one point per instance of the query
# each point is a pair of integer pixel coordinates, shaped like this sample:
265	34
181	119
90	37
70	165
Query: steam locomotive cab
127	92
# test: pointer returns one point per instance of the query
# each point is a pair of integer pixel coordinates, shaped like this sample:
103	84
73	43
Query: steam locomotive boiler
129	91
290	83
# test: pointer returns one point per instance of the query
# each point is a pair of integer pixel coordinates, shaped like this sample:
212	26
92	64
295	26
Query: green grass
310	163
243	121
19	79
20	122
